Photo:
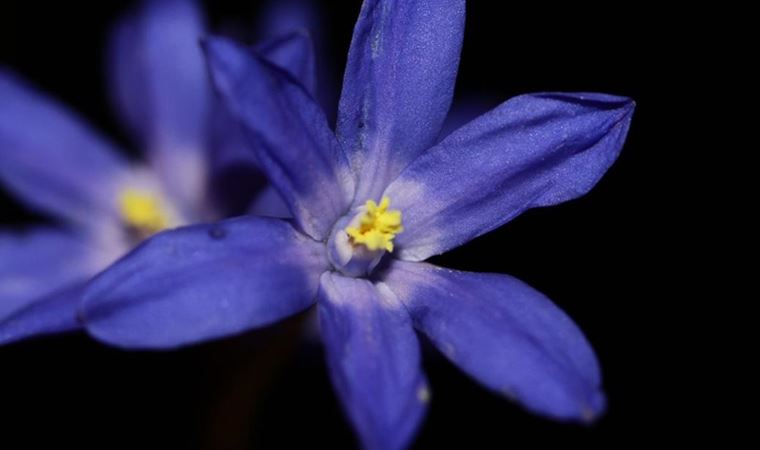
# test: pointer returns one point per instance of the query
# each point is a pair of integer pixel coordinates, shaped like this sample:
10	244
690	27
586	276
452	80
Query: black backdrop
597	257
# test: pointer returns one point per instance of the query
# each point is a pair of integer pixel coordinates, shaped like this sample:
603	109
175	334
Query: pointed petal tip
226	62
628	105
230	62
587	411
591	412
507	336
374	361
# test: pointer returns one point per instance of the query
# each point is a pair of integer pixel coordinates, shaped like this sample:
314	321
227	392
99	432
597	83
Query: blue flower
55	163
370	203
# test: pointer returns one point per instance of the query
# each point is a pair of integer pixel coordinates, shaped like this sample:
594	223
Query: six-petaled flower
370	203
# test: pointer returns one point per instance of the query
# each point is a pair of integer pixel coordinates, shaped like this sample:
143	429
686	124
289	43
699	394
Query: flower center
377	226
143	212
361	238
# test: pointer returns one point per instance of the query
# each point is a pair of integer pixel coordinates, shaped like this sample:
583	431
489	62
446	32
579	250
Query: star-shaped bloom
57	164
370	203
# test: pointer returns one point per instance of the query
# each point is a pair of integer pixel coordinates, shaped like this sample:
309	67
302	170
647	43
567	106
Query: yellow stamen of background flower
377	227
142	211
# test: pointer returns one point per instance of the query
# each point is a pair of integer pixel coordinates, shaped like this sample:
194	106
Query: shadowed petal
281	17
37	263
288	132
269	203
55	313
161	88
398	85
236	175
533	150
506	335
52	159
293	53
205	281
374	360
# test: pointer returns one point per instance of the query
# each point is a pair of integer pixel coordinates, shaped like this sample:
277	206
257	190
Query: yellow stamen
377	227
142	211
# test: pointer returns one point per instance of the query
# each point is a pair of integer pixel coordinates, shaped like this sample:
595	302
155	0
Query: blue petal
293	53
55	313
280	17
506	335
202	282
161	88
269	203
126	76
533	150
52	159
374	360
37	263
398	85
288	133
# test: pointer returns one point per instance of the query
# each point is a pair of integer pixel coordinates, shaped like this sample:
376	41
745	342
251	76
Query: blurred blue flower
370	203
54	162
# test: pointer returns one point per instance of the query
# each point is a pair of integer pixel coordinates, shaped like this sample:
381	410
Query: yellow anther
142	211
377	227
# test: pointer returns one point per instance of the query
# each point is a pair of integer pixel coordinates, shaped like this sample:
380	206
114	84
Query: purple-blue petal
506	335
288	132
280	17
374	360
157	74
533	150
202	282
161	89
55	313
398	85
51	159
39	262
126	76
269	203
294	53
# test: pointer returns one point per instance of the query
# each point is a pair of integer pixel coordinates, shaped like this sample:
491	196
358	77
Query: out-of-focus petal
161	88
288	133
398	85
204	281
374	360
55	313
280	17
52	159
506	335
39	262
533	150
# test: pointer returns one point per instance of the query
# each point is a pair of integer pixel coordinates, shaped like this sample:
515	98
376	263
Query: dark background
603	258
